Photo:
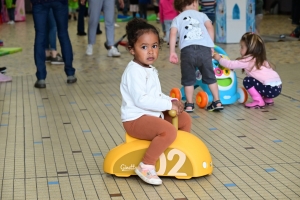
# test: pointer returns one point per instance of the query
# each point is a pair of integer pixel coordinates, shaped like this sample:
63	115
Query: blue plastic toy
227	83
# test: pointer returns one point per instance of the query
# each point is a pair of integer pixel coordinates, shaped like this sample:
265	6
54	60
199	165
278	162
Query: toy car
227	82
185	158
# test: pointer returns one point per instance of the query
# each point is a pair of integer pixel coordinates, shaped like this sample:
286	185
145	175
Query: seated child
144	106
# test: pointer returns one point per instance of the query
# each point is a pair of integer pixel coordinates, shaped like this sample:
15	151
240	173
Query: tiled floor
53	141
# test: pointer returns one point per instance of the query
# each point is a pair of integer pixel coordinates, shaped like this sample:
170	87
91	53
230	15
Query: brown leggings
159	131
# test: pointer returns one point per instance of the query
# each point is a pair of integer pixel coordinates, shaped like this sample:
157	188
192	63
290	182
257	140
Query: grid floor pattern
53	141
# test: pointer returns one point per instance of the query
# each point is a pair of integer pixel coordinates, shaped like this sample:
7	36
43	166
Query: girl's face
243	49
145	50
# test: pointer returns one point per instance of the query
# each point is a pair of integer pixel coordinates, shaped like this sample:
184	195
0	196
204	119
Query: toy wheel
202	99
243	95
175	93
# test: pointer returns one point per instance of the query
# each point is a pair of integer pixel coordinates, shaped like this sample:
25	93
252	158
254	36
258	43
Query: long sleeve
235	64
136	85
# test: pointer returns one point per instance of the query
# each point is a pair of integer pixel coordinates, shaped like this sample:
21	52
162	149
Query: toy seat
186	157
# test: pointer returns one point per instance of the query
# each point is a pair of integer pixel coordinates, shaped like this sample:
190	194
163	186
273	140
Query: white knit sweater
141	93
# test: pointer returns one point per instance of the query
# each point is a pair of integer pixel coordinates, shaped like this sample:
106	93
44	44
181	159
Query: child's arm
173	56
210	29
211	32
231	64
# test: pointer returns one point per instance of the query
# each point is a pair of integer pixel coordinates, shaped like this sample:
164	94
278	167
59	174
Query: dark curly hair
137	27
179	5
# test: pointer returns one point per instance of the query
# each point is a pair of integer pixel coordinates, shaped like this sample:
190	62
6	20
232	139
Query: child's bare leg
189	91
215	92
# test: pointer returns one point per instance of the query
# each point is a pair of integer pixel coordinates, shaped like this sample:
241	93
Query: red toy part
123	43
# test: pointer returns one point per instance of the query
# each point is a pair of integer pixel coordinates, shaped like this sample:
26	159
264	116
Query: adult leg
40	14
95	7
168	24
60	11
52	30
11	14
108	9
80	22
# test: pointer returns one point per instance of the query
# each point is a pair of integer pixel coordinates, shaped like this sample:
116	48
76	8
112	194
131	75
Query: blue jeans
11	14
40	15
51	30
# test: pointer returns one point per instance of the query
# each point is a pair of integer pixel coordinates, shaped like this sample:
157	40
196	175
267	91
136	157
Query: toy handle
174	116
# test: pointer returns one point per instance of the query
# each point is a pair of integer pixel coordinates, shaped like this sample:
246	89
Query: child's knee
170	135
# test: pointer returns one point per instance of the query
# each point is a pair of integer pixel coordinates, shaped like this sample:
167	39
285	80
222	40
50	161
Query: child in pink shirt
167	13
262	82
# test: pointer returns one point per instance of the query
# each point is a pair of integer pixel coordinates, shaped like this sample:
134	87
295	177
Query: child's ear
131	50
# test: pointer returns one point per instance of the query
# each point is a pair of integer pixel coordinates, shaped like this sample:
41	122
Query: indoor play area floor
53	141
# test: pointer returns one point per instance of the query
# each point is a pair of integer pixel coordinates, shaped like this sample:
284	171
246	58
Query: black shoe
75	18
2	70
71	79
81	33
40	84
48	59
99	32
57	60
213	106
192	105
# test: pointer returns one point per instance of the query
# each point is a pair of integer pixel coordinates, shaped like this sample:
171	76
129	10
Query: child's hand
177	106
173	58
217	56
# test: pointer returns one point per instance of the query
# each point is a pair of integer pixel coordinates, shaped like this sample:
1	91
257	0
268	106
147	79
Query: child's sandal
189	105
213	106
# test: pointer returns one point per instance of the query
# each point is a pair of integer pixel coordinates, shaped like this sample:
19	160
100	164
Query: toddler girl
144	106
262	82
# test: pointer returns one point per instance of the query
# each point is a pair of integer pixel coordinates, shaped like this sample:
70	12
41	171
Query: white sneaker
11	22
89	50
117	25
113	52
148	174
